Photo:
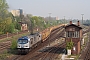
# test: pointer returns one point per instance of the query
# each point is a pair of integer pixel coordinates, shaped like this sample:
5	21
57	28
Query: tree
10	28
3	8
5	18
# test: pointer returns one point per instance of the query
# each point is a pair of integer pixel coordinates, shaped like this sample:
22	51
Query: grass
75	58
10	38
4	55
69	56
5	39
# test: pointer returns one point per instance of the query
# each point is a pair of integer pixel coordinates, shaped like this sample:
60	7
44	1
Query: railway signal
7	34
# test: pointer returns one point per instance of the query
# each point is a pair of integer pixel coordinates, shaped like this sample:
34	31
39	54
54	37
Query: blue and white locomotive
26	43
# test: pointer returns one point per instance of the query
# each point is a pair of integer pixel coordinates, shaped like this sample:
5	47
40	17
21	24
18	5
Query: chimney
78	23
70	22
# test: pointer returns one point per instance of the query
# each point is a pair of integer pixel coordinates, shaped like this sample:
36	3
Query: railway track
10	34
87	56
86	53
16	57
5	45
33	52
56	50
42	54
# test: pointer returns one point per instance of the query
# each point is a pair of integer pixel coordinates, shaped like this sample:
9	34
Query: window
22	41
77	34
73	34
31	40
68	34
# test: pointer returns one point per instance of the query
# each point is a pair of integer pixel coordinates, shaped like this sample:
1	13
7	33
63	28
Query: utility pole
64	20
31	24
21	17
50	33
50	16
82	18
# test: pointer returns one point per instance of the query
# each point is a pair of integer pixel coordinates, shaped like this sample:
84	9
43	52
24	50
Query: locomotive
26	43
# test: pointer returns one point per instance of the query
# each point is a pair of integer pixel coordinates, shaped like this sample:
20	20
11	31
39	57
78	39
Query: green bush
11	28
69	45
14	44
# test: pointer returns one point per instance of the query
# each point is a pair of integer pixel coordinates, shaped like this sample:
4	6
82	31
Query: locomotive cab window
22	41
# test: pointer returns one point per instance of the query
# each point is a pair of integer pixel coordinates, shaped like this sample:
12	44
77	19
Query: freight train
26	43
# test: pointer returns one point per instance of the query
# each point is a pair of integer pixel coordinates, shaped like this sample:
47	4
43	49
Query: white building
17	12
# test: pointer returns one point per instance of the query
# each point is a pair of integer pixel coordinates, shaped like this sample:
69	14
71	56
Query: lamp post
82	18
50	15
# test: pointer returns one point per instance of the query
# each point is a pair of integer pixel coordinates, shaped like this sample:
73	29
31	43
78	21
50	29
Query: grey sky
68	8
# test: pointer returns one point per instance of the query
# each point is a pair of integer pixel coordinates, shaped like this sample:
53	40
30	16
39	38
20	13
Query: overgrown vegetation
14	44
4	55
69	45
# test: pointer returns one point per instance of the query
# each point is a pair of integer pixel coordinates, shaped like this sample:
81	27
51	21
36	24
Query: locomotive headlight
26	46
18	45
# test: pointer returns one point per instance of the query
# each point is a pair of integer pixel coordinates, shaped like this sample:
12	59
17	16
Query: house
24	27
74	33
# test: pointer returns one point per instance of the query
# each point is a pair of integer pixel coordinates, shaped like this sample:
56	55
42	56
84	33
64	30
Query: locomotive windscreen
22	41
